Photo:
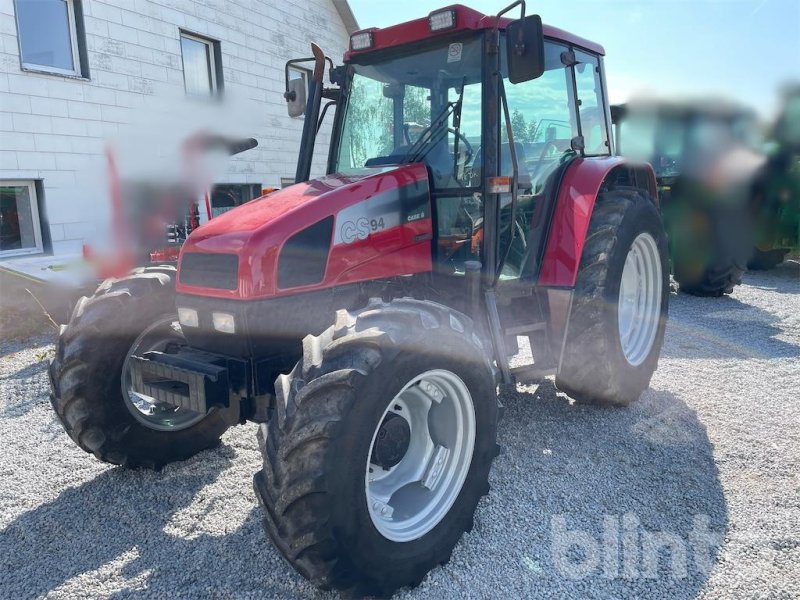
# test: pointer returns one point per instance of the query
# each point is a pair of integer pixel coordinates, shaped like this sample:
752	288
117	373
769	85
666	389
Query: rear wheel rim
150	413
410	498
639	307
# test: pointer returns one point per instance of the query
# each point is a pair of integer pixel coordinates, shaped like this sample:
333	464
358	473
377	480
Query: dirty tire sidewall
594	369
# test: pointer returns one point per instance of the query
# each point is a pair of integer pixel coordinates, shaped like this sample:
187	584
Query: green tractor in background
726	203
776	191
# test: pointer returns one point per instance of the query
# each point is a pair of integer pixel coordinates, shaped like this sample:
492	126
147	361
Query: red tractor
366	319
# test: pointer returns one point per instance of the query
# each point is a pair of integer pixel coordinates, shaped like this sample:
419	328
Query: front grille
216	271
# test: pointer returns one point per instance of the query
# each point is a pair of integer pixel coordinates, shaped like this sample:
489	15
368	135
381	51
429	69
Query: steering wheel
542	154
467	145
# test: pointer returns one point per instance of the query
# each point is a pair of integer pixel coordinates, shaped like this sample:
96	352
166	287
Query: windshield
421	107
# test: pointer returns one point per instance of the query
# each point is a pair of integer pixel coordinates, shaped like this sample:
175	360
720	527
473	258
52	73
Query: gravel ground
581	497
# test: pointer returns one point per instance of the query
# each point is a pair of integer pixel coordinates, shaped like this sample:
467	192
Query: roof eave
346	14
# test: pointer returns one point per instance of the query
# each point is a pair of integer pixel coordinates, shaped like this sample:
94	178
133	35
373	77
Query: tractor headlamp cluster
361	40
221	321
443	19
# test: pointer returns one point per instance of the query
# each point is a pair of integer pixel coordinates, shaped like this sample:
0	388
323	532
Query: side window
543	121
367	131
590	104
668	146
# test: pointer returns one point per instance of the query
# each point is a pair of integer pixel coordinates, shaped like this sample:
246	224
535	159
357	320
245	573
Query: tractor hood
314	235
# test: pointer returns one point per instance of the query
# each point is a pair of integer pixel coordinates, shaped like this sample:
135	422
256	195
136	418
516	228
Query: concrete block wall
53	127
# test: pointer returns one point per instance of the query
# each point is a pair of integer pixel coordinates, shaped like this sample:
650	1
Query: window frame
254	192
37	222
599	76
77	70
213	68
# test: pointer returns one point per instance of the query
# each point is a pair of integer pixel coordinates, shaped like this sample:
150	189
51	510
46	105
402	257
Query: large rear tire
711	250
354	497
89	376
619	309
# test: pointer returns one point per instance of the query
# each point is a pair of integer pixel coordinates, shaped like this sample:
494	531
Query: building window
20	229
50	35
225	196
202	72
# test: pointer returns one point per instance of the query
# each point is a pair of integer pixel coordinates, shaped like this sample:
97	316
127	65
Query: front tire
88	376
322	458
619	309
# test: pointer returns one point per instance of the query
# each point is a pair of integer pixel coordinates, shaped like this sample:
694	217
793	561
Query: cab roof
466	19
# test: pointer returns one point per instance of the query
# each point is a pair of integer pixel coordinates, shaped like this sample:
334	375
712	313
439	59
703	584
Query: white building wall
53	127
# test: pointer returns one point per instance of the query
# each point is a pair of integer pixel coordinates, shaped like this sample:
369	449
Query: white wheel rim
639	309
409	499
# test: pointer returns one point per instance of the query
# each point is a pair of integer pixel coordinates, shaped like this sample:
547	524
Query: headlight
187	317
361	41
445	19
223	322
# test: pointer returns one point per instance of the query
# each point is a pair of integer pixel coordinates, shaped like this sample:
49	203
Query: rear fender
584	180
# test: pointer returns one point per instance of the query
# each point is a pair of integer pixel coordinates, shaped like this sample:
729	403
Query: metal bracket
568	58
497	336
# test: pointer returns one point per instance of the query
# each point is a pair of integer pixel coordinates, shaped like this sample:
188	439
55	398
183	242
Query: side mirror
525	49
296	96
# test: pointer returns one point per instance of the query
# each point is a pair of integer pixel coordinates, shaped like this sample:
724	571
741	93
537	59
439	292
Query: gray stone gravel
716	438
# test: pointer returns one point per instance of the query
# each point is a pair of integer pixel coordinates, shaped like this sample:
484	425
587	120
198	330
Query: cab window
591	108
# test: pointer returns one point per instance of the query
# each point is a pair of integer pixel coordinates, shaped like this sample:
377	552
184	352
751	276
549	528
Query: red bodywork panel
467	19
256	232
573	212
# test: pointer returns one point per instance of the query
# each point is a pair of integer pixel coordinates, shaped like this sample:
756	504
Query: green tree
524	132
370	126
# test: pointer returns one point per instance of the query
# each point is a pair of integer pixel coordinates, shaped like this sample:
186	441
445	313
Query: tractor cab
428	92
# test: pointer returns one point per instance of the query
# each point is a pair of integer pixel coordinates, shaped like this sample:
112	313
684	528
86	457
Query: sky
742	50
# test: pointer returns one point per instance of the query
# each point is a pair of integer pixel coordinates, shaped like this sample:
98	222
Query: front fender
574	206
